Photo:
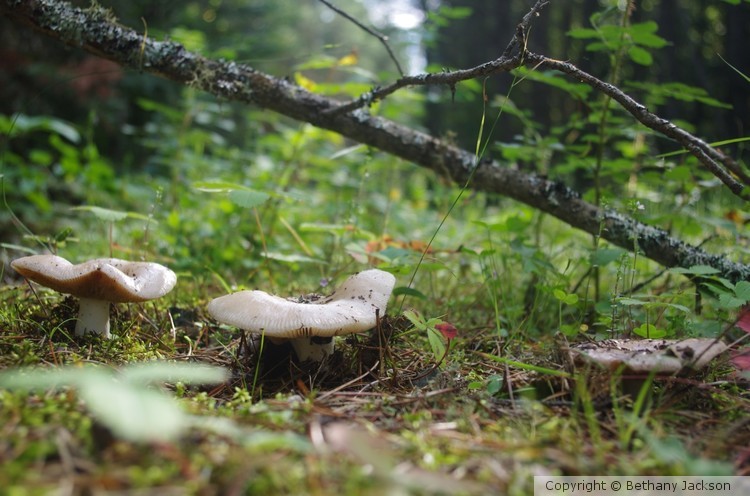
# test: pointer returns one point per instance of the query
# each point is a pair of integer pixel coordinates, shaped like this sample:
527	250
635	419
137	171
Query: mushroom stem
312	348
93	316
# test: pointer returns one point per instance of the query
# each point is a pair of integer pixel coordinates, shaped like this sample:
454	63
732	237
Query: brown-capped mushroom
97	283
352	308
636	359
639	356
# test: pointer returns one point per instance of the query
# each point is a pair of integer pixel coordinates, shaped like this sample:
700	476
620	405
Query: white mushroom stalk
93	316
352	308
98	283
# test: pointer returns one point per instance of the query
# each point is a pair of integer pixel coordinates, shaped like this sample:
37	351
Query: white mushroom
352	308
97	283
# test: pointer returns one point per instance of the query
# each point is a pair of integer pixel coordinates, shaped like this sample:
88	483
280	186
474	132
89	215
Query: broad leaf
640	56
107	215
248	198
649	331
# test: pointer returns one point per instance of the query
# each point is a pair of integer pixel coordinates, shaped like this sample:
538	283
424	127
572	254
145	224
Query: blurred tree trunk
467	42
737	36
481	36
94	30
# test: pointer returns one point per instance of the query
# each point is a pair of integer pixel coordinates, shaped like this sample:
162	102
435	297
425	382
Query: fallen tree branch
95	31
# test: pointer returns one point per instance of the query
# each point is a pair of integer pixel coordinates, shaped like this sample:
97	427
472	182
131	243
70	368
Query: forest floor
380	416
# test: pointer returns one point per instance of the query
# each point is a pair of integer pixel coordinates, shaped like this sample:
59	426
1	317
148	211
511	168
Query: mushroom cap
108	279
350	309
661	356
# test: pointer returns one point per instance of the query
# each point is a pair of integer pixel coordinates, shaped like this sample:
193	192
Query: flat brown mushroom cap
350	309
109	279
661	356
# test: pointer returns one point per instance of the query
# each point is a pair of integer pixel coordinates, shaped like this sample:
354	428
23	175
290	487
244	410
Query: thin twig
512	58
38	299
518	43
720	165
450	78
338	389
380	36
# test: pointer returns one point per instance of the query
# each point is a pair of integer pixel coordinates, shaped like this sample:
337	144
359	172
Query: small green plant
437	331
126	402
567	299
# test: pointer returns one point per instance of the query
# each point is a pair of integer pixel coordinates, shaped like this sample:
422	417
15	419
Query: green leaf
63	234
240	195
640	56
104	214
436	343
696	270
248	198
27	379
415	319
597	46
649	331
742	290
677	306
394	252
679	173
604	256
192	39
187	373
124	403
583	33
23	249
570	330
494	384
677	91
403	290
729	301
644	34
21	124
108	215
567	298
133	413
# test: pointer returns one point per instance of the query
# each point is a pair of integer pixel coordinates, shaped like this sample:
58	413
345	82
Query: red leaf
743	321
447	329
741	359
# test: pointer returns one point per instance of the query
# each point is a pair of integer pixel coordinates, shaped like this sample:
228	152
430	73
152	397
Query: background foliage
97	160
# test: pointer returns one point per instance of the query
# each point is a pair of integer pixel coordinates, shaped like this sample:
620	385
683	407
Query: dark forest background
39	76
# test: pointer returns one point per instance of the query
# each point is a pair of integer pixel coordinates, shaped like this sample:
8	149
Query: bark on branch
94	30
